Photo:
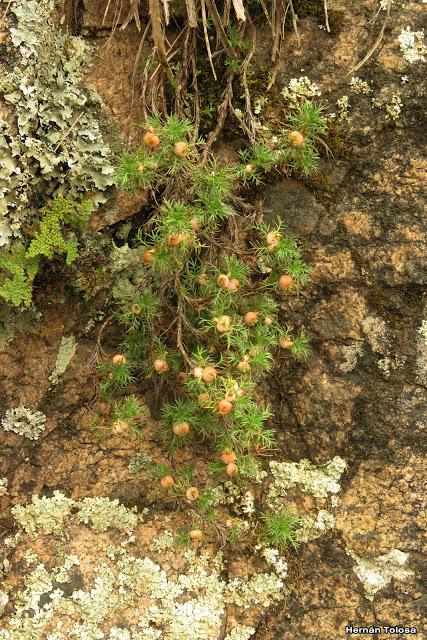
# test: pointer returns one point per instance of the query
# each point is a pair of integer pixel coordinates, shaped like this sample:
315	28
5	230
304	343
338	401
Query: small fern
18	266
20	272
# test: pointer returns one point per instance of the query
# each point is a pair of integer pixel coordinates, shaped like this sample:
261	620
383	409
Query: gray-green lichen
103	513
48	515
311	528
24	422
52	145
319	481
44	515
376	573
119	595
66	351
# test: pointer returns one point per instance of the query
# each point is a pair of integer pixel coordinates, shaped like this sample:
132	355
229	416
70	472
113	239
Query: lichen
318	481
54	145
66	351
300	89
3	487
24	422
412	45
376	573
311	528
240	632
359	86
124	596
45	515
351	354
103	513
421	361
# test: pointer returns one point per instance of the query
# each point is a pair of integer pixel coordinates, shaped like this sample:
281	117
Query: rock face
361	394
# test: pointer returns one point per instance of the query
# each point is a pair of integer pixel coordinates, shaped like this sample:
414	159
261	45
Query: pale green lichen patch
311	528
24	422
241	632
102	514
377	573
44	515
53	146
48	515
319	481
66	352
124	596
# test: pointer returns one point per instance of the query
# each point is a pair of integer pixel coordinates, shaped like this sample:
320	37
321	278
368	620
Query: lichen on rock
376	573
120	595
317	480
24	422
53	144
66	351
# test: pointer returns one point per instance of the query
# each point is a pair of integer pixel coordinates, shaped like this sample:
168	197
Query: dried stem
158	36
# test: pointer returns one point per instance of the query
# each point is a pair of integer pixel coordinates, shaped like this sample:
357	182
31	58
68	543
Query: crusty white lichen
376	573
377	333
66	351
52	145
317	480
24	422
125	596
412	45
102	514
300	89
351	353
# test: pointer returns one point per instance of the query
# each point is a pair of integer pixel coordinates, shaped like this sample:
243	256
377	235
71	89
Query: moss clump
20	266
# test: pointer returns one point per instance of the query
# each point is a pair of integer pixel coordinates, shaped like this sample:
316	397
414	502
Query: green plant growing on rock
126	412
295	149
53	234
279	528
202	323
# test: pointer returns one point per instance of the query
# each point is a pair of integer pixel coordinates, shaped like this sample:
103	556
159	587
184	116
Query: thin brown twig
158	36
248	106
195	85
135	66
6	10
191	13
375	45
216	19
294	21
222	115
67	133
205	32
180	317
325	7
98	348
